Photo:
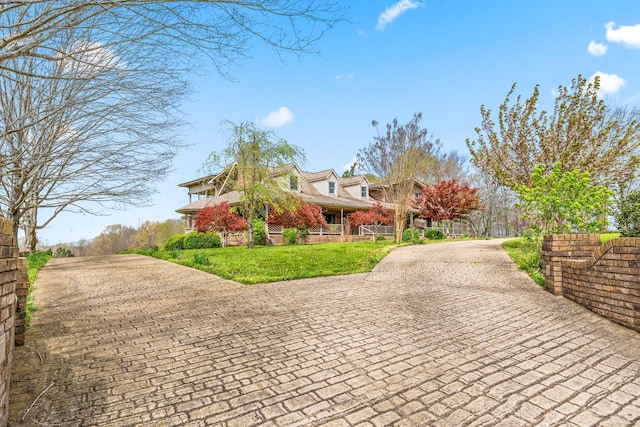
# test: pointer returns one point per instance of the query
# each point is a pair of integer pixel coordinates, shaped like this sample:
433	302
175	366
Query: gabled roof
352	180
382	184
318	176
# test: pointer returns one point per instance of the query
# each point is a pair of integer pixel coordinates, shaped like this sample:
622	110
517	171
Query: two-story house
336	195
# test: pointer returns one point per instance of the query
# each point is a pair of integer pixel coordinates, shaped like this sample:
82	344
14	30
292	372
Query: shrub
198	240
380	238
63	252
434	235
303	235
175	243
200	259
411	235
289	236
259	232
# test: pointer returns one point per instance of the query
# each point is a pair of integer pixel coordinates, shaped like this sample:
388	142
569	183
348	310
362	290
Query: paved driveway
445	334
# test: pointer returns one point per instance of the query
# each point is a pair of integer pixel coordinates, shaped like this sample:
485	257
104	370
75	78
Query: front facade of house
336	195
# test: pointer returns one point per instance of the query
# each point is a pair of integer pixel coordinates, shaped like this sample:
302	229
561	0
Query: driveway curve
447	334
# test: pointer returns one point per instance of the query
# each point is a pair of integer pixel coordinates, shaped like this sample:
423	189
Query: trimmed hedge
198	240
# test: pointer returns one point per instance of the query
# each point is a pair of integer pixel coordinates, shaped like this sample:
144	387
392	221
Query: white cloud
344	76
392	12
89	59
278	118
347	166
597	49
628	35
609	83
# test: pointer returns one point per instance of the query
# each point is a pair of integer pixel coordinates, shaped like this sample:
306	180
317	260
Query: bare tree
445	167
222	29
91	91
397	158
102	130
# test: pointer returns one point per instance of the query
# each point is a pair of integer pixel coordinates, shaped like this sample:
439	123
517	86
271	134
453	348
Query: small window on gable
332	188
363	192
293	182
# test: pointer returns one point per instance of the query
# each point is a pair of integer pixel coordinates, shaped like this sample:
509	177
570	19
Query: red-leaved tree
221	219
447	200
304	215
376	215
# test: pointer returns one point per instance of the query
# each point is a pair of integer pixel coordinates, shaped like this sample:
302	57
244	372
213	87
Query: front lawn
274	263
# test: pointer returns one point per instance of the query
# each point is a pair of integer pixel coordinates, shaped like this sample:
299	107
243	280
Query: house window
293	182
363	192
330	218
332	188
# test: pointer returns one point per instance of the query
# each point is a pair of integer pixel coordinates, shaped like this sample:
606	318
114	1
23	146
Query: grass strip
35	261
264	264
525	253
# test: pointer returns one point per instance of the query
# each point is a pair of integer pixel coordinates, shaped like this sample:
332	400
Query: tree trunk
400	221
250	233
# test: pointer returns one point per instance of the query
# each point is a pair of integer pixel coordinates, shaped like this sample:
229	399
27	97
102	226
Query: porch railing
387	230
322	231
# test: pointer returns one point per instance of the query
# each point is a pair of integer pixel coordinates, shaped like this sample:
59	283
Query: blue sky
442	58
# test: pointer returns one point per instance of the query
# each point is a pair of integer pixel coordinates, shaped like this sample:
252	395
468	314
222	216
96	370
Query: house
336	195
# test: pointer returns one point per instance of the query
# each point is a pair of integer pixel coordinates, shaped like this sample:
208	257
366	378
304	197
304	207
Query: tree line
115	238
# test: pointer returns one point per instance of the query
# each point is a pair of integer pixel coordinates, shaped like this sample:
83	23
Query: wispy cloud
278	118
348	166
597	49
345	76
609	83
628	35
393	12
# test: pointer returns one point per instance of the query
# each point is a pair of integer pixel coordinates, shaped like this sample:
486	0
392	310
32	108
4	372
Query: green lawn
274	263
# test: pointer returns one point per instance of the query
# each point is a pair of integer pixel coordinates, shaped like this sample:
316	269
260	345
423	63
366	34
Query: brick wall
606	282
22	289
8	277
557	247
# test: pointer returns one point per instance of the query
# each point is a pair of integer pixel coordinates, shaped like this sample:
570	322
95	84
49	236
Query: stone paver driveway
446	334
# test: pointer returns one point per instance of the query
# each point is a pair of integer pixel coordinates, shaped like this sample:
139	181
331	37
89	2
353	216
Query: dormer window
293	182
332	188
363	192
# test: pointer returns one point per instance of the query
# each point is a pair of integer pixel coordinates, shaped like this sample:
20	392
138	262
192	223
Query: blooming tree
221	219
302	216
447	200
376	215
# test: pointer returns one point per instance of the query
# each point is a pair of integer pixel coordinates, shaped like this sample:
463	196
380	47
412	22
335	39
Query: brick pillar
22	289
557	247
8	276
